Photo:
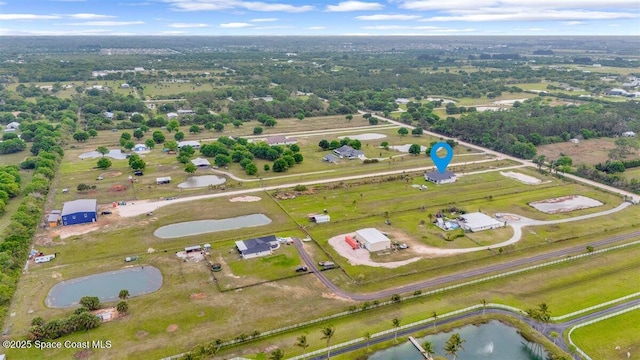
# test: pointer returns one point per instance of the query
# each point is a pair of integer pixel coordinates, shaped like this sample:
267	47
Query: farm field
612	338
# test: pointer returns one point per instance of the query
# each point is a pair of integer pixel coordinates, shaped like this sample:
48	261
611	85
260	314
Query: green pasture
600	340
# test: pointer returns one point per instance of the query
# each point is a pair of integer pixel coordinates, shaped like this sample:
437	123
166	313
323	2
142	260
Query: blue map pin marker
441	162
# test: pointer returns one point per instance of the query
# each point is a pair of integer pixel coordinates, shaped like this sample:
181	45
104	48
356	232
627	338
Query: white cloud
27	17
236	25
90	16
2	3
485	15
354	6
316	27
187	25
214	5
407	27
549	4
384	17
571	23
264	20
107	23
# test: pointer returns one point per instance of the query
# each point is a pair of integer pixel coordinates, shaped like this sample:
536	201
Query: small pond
114	154
207	226
493	340
106	286
202	181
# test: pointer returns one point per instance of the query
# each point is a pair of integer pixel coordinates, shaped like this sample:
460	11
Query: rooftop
437	176
80	205
476	219
257	245
373	235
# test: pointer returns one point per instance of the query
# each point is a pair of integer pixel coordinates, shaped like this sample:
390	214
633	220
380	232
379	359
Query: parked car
106	212
403	246
138	173
100	178
301	269
327	265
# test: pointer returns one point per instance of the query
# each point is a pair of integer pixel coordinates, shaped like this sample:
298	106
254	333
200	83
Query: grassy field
590	151
600	340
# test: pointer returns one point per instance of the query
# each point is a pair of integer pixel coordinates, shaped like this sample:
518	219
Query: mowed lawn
600	340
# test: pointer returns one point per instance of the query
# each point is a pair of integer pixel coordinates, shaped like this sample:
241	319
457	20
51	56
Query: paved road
457	277
548	328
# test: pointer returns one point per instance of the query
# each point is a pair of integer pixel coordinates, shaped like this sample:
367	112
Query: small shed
194	144
163	180
201	163
45	258
53	219
373	239
172	115
319	219
12	125
140	147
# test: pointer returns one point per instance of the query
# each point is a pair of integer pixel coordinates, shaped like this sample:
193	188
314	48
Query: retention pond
106	286
208	226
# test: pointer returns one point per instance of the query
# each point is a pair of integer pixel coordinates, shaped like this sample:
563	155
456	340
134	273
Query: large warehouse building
79	211
478	221
373	239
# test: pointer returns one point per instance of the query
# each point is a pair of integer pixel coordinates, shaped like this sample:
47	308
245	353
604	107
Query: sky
313	18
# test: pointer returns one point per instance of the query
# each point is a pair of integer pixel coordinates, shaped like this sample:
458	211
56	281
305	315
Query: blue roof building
79	212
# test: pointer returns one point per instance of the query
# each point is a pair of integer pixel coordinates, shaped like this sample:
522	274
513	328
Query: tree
414	149
179	136
122	307
327	333
396	325
435	319
271	122
171	145
257	130
81	136
277	354
222	160
104	163
158	137
539	160
129	145
564	161
302	342
298	158
373	121
123	294
266	167
136	163
280	165
125	136
349	117
428	348
138	134
453	345
173	125
295	148
237	123
484	306
324	144
251	169
150	143
403	131
93	133
367	337
90	302
194	129
219	126
190	168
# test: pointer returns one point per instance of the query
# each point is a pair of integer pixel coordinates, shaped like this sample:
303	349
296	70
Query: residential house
281	140
108	115
172	115
257	247
192	143
200	162
330	158
348	152
186	112
439	178
140	148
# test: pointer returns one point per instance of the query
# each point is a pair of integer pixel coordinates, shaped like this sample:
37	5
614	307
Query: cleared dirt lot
590	151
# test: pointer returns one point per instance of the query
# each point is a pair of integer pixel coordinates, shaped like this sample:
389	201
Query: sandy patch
529	180
367	136
111	174
172	327
245	199
107	314
198	296
333	296
362	256
140	334
565	204
73	230
405	148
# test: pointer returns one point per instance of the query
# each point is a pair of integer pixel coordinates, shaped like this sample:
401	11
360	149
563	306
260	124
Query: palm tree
484	305
124	294
396	324
435	318
453	345
302	342
427	346
327	333
367	336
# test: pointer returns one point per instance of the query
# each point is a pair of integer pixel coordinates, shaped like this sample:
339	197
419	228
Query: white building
629	134
172	115
192	143
373	239
12	125
257	247
140	147
437	177
478	221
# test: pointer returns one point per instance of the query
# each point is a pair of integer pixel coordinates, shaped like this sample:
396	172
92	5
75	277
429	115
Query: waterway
493	340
